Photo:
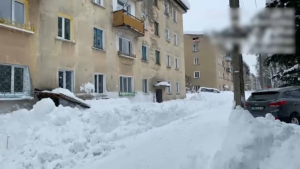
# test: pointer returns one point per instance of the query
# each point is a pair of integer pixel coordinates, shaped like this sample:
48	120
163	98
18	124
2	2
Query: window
124	5
145	85
196	61
125	46
168	59
174	15
176	63
175	39
177	88
99	83
14	79
157	57
155	3
64	28
144	21
13	11
166	8
197	74
66	80
167	35
98	39
156	31
195	48
169	89
144	53
126	84
99	2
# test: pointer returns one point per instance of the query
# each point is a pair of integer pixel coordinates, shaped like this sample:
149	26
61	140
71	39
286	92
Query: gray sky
206	15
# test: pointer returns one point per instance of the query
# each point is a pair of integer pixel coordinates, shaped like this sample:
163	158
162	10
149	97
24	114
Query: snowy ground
201	131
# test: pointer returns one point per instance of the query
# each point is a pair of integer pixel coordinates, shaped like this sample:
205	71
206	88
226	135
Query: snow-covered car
207	89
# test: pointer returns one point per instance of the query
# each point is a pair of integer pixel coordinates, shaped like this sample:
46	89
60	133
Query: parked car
206	89
282	103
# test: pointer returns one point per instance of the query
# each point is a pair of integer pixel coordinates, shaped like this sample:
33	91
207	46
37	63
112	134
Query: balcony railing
228	58
123	19
27	27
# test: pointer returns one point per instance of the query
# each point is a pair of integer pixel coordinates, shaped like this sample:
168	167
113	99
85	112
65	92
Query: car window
263	96
295	94
286	94
210	90
203	89
216	91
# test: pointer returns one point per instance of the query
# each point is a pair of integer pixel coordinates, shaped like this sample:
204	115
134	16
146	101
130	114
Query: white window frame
17	94
175	39
177	87
169	88
103	38
166	8
196	61
174	15
176	63
132	82
131	45
104	82
168	59
167	31
195	74
13	11
147	53
63	29
195	48
145	90
64	78
99	2
126	8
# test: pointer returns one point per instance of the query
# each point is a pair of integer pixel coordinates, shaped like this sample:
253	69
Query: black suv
282	103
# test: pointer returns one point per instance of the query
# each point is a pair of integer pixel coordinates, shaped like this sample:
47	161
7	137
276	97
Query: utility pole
237	60
261	71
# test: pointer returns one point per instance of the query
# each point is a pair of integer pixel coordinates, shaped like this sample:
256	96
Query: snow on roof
186	3
193	33
163	84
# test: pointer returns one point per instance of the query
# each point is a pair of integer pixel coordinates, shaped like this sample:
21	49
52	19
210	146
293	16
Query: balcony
229	70
228	58
126	55
122	19
17	26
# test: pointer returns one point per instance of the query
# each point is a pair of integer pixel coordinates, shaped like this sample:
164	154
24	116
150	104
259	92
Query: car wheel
295	119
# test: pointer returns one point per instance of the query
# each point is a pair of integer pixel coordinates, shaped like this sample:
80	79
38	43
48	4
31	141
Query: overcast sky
206	15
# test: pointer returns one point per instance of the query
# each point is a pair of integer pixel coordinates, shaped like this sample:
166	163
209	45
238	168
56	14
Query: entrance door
159	98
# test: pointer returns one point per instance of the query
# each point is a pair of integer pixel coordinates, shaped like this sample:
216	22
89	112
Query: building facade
205	65
122	47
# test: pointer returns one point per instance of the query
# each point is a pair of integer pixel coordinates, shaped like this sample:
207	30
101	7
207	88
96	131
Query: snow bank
52	137
260	143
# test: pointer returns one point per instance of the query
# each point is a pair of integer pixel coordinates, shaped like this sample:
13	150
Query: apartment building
205	65
122	47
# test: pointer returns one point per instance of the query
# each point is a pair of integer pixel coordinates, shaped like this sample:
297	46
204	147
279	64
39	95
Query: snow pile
87	88
66	92
258	143
52	137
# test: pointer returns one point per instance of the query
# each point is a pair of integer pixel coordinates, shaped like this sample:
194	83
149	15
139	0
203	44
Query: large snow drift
62	137
199	132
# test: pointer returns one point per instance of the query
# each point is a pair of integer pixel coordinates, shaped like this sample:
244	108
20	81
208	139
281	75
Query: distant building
205	64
